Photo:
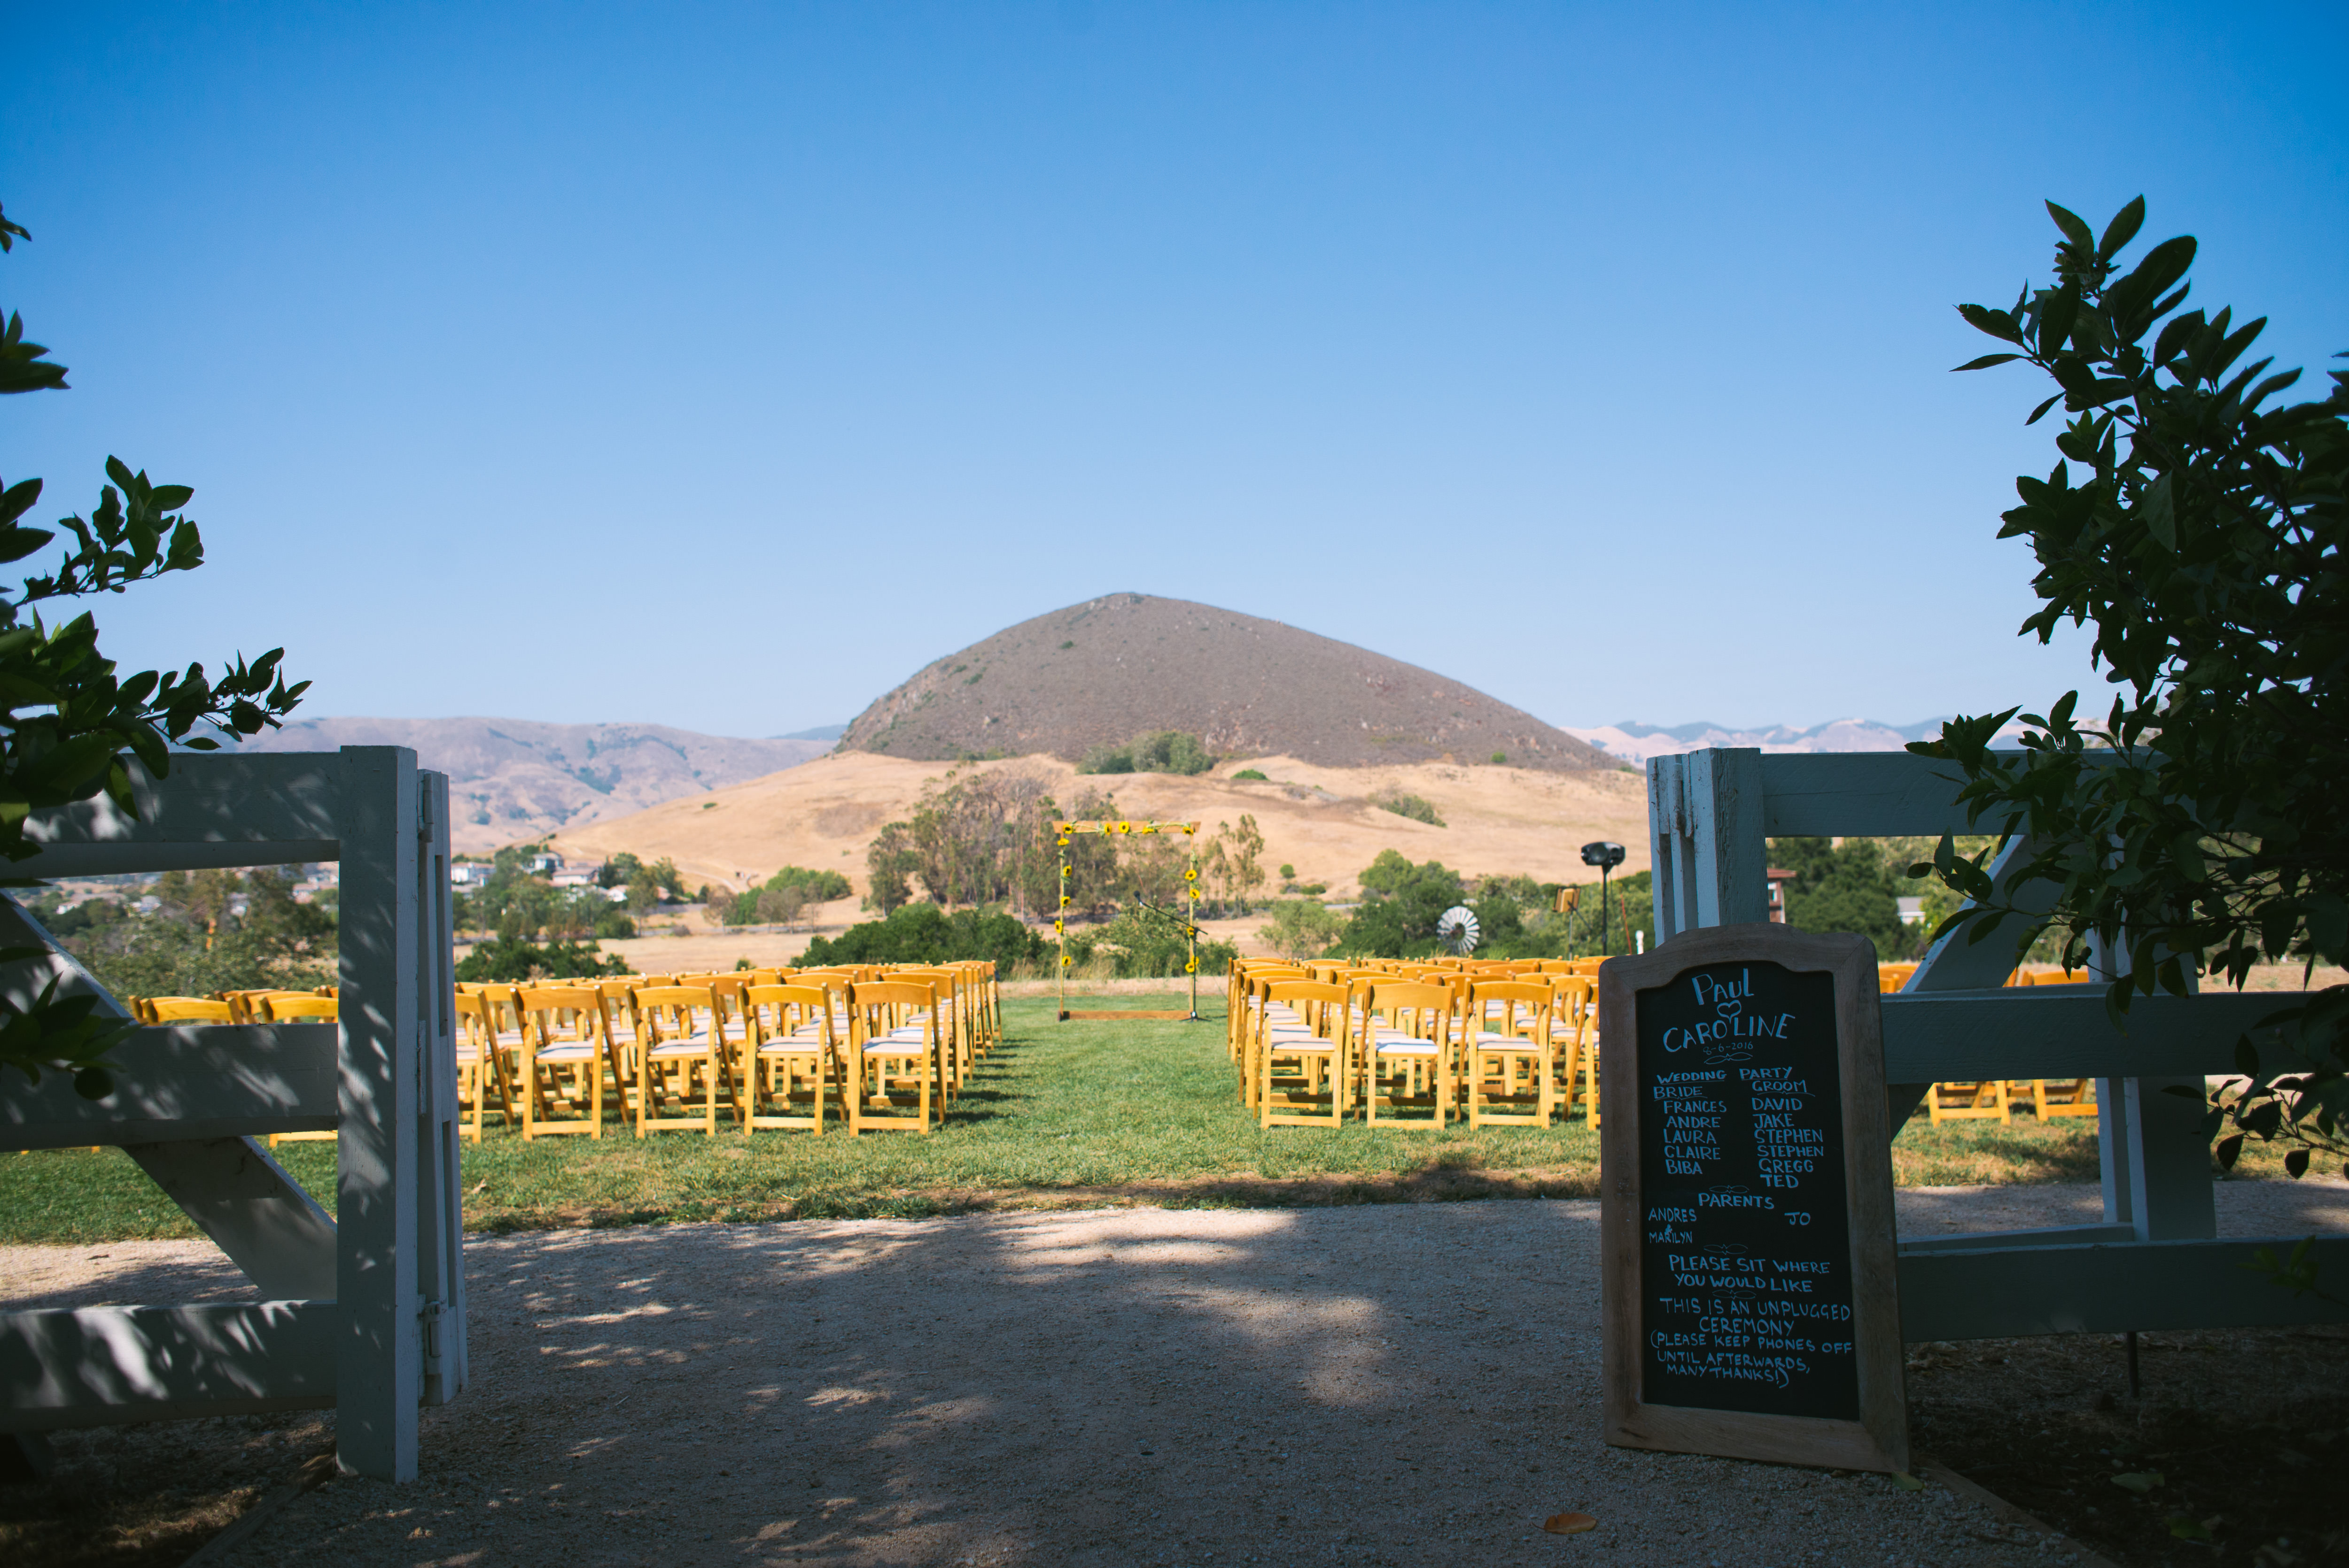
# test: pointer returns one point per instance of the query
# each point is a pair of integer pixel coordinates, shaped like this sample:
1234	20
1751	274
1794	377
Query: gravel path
1405	1384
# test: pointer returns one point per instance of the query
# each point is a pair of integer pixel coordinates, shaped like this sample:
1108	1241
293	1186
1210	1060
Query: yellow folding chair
562	1061
681	1053
285	1007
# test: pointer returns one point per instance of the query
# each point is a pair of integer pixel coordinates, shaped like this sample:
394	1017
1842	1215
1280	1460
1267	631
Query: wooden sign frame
1878	1440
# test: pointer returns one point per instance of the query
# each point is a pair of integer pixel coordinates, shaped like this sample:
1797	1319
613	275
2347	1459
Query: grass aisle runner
1077	1113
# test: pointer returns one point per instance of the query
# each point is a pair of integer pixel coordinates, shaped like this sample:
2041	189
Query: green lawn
1062	1114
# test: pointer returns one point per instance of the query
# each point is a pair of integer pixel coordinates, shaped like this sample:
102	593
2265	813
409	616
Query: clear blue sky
721	365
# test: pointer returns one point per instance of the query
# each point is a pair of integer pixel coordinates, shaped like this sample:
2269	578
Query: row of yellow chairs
870	1048
1497	1043
1997	1100
254	1007
248	1007
1416	1043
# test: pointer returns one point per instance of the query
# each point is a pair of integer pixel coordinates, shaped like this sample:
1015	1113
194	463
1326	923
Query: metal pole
1190	916
1061	921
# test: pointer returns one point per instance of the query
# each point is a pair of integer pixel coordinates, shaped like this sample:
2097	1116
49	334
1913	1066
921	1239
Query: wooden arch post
1063	831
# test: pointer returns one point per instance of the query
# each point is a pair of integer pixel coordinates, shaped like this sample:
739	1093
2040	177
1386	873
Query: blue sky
720	366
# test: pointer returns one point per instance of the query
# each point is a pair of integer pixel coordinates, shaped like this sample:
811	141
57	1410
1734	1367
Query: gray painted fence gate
363	1311
2153	1262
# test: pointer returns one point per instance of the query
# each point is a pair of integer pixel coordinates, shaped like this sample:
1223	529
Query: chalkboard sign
1750	1305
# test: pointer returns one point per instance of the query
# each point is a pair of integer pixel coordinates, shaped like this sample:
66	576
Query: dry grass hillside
1104	671
823	813
511	780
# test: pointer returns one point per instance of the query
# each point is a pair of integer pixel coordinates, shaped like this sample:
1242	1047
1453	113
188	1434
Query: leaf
2187	1528
1905	1482
1985	361
2040	412
2121	230
1569	1523
2075	229
2163	265
2295	1164
2056	315
1997	324
2160	517
2140	1481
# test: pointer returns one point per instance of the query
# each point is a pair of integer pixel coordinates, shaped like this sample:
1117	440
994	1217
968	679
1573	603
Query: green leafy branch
2197	526
70	724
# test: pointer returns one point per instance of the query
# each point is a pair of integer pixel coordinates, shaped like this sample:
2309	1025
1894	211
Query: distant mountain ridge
1102	672
517	779
1636	742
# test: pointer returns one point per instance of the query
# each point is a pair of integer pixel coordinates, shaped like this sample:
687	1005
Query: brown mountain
1109	669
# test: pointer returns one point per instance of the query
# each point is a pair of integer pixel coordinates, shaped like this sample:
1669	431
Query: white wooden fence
363	1311
2152	1263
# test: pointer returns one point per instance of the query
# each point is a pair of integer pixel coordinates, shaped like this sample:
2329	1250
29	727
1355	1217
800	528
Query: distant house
575	876
1912	911
1777	879
545	865
467	874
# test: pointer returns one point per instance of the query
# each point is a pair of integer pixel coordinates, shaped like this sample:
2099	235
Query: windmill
1456	929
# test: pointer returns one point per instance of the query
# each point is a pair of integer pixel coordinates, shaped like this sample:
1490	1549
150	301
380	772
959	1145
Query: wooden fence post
379	1367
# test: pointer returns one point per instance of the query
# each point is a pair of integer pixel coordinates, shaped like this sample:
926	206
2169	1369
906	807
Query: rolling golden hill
824	813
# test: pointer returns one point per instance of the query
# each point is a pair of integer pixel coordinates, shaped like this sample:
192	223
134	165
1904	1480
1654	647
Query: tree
212	931
2199	826
1302	928
1845	887
889	862
71	726
1401	904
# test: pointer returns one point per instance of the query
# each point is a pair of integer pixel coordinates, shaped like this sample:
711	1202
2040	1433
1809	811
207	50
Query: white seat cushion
699	1046
1403	1045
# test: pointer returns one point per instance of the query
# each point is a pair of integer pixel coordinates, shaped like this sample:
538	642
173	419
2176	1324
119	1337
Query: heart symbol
1731	1009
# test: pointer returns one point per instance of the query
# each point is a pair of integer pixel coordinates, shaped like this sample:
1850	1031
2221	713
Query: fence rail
364	1308
2153	1262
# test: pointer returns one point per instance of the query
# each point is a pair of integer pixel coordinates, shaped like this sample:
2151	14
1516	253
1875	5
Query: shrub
1144	945
1500	757
1160	751
925	933
781	897
514	959
1288	872
1255	774
1418	808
